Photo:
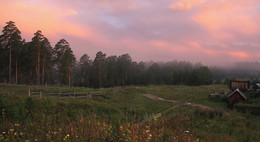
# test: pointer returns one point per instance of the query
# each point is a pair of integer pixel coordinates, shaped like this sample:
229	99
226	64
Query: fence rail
94	94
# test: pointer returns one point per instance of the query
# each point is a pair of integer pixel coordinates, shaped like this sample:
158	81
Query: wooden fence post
40	94
59	94
74	94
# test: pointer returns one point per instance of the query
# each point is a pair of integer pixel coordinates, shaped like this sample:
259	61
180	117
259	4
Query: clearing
183	113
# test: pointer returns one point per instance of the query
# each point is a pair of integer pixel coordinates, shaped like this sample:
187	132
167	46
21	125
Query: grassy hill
122	114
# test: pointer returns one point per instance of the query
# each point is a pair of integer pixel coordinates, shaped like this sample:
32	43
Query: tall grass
123	115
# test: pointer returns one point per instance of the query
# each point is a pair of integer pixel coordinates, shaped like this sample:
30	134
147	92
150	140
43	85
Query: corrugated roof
237	90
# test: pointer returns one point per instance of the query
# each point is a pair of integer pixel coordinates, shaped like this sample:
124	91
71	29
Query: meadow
123	114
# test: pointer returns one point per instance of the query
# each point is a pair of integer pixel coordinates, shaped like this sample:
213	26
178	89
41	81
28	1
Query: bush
252	109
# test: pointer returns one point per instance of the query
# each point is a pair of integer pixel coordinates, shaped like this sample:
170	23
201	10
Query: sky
212	32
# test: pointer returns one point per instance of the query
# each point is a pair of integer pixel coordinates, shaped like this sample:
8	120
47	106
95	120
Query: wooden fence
74	94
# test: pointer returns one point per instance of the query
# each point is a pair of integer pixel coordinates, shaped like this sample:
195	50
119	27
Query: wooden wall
241	85
236	98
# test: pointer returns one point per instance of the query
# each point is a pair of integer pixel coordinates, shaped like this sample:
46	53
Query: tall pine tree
35	49
64	61
99	70
11	40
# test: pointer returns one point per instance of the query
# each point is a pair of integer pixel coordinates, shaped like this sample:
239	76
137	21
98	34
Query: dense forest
37	62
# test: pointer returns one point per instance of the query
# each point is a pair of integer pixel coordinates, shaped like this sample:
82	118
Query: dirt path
153	97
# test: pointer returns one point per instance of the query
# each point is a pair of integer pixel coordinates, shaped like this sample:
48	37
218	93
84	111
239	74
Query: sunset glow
206	31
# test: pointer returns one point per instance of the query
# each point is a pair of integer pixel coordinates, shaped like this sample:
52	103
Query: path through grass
122	115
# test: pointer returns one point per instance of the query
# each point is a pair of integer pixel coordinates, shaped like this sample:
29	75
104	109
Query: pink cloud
180	6
219	23
207	31
184	5
221	17
52	21
158	43
238	54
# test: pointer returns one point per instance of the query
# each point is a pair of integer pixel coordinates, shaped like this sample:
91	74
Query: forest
36	62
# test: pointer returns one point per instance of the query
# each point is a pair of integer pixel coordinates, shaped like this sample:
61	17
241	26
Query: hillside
122	114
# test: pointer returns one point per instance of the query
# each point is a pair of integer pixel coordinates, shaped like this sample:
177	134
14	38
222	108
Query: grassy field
124	114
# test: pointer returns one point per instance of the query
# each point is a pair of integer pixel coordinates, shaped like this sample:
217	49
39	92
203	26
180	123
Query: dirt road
153	97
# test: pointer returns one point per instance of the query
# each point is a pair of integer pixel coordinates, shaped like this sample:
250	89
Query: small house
236	97
241	85
256	87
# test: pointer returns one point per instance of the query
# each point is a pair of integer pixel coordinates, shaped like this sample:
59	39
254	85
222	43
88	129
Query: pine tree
35	47
64	61
11	40
85	68
46	58
99	69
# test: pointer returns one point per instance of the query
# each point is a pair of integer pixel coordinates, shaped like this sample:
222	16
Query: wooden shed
236	97
256	87
241	85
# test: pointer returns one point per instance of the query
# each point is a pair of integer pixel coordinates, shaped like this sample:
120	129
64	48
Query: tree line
237	71
37	62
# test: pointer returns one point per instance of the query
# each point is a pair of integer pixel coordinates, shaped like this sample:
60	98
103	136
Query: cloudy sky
207	31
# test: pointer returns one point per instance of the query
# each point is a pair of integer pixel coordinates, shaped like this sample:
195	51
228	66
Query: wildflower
67	136
121	127
17	125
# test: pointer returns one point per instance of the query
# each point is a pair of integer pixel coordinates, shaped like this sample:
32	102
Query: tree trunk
69	79
38	67
69	76
99	78
43	65
10	65
16	72
35	75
